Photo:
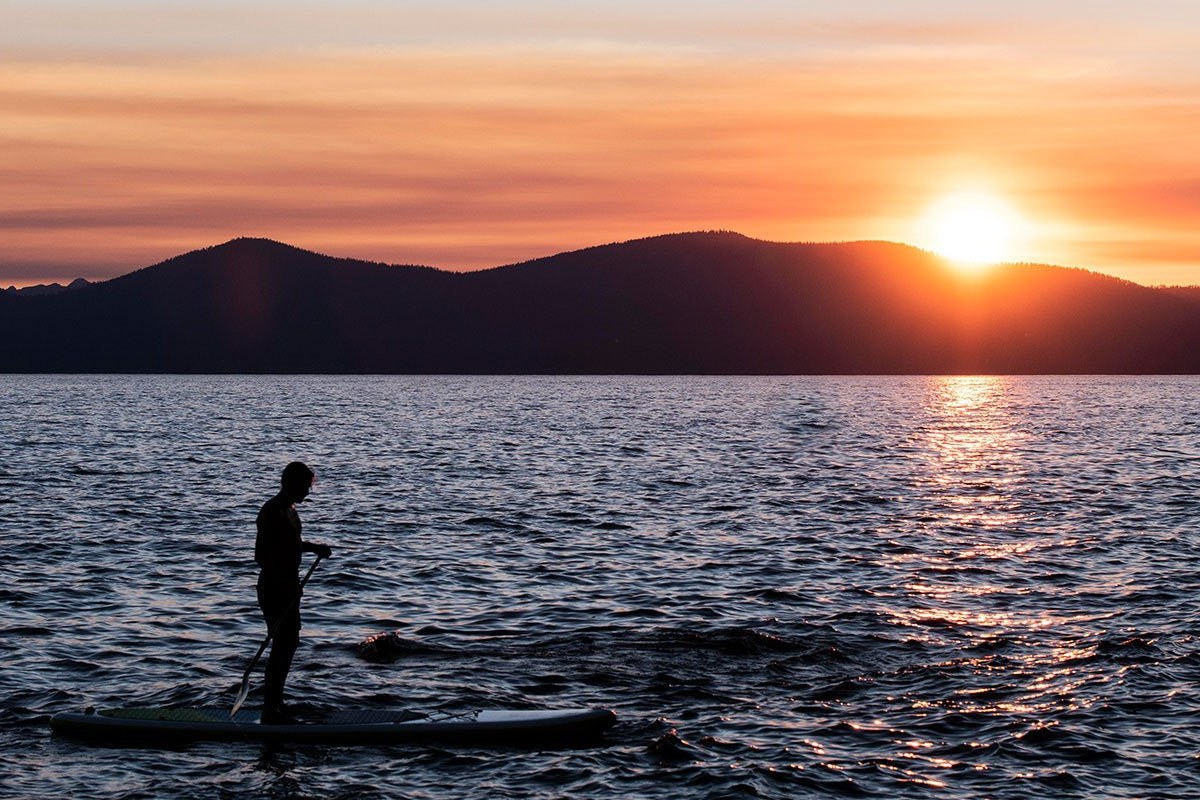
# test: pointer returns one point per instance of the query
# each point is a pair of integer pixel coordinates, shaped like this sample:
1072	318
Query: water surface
786	587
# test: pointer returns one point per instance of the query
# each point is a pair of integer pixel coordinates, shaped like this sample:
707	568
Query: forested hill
679	303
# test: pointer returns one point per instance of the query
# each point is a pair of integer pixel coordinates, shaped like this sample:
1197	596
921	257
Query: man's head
297	481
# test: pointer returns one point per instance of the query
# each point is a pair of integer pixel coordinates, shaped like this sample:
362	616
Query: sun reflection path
967	466
972	442
966	577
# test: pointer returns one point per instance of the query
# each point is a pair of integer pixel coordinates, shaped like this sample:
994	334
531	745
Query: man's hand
322	550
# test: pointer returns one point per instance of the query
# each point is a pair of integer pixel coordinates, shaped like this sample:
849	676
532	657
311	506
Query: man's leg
285	622
283	648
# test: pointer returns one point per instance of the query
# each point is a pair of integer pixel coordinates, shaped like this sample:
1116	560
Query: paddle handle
245	690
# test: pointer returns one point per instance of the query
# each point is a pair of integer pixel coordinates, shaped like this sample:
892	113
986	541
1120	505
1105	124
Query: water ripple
787	587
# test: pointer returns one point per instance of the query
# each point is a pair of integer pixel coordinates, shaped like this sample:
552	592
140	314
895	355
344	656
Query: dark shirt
278	545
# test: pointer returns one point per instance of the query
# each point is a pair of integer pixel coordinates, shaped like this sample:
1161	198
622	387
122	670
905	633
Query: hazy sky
472	134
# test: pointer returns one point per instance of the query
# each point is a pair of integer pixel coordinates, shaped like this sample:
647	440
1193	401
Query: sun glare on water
974	229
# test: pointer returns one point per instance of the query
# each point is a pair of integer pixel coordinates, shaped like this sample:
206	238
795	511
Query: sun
972	228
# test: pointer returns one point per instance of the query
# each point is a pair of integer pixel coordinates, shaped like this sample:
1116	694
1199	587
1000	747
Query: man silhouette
277	550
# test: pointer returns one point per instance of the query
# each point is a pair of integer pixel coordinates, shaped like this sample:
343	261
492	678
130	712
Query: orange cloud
480	157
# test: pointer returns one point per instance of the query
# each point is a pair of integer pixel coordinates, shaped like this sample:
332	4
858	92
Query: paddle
245	690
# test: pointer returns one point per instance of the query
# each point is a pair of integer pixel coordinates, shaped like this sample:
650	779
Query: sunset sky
473	134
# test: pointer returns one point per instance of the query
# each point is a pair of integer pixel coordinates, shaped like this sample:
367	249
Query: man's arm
321	550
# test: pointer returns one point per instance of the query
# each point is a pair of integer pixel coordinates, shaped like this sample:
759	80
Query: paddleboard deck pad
349	726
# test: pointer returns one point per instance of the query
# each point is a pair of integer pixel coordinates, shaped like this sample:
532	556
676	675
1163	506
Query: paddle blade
241	697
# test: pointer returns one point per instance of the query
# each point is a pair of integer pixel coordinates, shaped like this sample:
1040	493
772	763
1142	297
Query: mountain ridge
45	288
700	302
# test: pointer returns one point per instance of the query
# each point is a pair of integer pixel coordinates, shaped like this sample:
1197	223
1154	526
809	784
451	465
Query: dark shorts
280	606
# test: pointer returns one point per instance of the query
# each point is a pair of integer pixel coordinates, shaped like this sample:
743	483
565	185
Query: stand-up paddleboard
348	726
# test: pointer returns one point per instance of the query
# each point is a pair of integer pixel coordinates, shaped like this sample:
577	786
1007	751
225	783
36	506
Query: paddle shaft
245	690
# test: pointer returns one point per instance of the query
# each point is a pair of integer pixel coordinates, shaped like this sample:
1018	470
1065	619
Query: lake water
786	587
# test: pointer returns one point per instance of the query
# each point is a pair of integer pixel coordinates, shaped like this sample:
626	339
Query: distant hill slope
1187	292
46	288
681	303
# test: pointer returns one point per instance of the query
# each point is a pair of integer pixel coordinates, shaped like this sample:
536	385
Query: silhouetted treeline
683	303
